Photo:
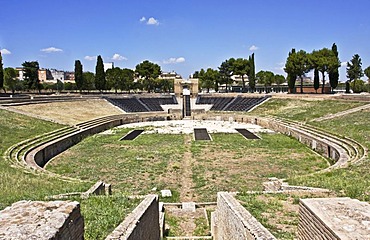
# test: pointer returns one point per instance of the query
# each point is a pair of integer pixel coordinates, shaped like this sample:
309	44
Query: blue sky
183	36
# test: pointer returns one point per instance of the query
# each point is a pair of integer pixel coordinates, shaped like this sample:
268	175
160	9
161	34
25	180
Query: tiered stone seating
154	104
238	103
129	104
244	103
142	104
218	102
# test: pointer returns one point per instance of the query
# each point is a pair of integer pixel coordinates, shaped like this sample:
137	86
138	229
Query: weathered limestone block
333	218
142	223
232	219
273	185
59	220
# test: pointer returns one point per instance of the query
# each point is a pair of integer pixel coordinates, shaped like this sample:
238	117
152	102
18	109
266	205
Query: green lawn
133	167
15	184
101	214
228	163
302	110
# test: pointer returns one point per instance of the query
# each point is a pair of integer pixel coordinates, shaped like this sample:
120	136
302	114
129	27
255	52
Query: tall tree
316	79
127	79
79	75
148	72
354	69
252	73
279	79
1	73
31	76
10	79
114	78
265	78
241	68
367	73
226	71
297	64
89	81
208	78
100	81
333	71
324	60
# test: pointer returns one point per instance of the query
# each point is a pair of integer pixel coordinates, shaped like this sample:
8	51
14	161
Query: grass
277	212
353	181
15	184
103	213
231	163
132	167
302	110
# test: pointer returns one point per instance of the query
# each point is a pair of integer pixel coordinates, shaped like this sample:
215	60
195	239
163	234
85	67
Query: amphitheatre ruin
186	166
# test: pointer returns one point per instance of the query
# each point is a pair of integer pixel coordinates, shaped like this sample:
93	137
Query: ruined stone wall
333	219
59	220
142	223
232	219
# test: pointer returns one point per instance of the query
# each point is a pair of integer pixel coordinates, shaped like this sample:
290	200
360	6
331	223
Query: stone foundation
142	223
232	219
333	218
59	220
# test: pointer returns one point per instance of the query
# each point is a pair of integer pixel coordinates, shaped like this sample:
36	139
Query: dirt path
339	114
187	192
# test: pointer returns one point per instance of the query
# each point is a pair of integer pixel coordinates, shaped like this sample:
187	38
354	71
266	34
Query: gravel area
187	127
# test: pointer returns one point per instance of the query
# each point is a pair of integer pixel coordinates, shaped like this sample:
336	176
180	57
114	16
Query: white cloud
118	57
152	21
143	19
174	60
253	48
343	64
5	51
51	49
90	58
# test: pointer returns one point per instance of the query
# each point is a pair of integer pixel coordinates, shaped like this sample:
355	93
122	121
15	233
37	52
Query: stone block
188	206
58	220
166	193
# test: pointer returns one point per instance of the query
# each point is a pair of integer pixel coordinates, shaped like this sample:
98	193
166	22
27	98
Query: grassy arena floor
228	163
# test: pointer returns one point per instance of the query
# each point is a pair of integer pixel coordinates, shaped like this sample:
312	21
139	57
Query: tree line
146	74
214	78
323	61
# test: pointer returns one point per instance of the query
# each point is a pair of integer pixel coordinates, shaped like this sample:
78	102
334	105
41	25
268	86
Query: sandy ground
187	127
70	113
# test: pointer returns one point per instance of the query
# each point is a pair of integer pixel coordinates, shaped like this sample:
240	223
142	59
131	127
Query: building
20	73
169	76
57	74
45	75
108	65
69	76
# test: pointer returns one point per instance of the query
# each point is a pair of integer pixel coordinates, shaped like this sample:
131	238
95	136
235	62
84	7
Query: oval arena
182	187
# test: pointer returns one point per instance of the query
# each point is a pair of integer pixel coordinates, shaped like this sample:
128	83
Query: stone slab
347	218
166	193
188	206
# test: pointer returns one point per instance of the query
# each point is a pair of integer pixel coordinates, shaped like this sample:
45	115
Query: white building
57	74
108	65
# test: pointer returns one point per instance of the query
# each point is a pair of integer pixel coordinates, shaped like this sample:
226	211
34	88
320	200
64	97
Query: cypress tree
334	73
78	75
316	80
252	73
100	81
1	72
